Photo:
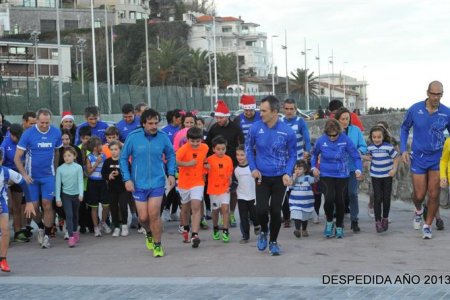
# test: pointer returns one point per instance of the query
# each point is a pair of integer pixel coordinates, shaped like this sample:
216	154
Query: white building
233	35
352	92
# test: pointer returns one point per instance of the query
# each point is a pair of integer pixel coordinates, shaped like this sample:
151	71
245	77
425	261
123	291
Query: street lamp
318	69
237	65
147	62
306	74
343	79
273	70
285	47
82	47
34	36
331	61
108	76
94	55
58	38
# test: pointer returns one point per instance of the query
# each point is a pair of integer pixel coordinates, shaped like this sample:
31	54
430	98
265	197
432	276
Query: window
121	14
132	15
48	25
70	24
54	53
43	53
97	23
227	43
226	29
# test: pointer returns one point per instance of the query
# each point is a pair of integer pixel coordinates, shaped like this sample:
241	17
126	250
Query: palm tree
197	67
226	69
298	83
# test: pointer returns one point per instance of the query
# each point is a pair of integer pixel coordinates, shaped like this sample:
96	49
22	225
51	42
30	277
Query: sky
398	46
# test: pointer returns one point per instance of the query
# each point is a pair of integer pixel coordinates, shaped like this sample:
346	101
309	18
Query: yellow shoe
149	242
158	251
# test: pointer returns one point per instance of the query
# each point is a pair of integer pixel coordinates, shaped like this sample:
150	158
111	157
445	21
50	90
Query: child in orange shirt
219	180
111	134
191	183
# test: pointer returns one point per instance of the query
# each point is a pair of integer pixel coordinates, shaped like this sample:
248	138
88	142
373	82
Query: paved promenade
122	268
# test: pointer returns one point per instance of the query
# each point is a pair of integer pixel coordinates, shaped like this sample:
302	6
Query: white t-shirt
246	183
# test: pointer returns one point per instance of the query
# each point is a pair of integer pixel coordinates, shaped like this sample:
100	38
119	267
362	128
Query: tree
297	84
226	69
197	67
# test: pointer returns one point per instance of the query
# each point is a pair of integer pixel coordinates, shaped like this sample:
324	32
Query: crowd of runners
101	179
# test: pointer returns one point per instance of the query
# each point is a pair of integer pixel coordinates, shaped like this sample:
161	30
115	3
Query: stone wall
402	185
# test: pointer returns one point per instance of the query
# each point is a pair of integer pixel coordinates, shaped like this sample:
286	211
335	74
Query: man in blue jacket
271	153
146	147
429	119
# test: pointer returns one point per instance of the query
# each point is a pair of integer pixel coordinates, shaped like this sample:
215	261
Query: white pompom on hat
67	115
248	102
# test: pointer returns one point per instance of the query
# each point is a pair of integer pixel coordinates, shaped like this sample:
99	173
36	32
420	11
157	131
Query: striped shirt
302	196
246	123
97	174
301	133
382	159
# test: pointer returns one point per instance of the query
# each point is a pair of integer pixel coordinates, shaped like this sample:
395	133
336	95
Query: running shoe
232	220
149	242
71	242
426	233
158	251
45	242
243	241
76	236
21	237
262	241
4	266
316	218
97	232
142	230
204	224
257	230
440	224
355	227
274	249
225	237
287	224
305	233
328	232
40	236
297	233
379	226
216	235
339	232
28	231
66	235
417	223
106	228
185	235
116	232
180	229
195	241
166	215
385	224
124	230
208	215
174	217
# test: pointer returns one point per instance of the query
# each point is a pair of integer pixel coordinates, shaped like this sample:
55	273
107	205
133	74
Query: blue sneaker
274	249
328	232
426	233
262	241
339	232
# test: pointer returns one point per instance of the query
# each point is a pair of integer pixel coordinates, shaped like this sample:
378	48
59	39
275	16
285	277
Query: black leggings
172	199
382	188
269	199
334	190
247	212
119	203
285	209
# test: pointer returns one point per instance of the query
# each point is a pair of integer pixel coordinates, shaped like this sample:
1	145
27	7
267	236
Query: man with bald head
429	119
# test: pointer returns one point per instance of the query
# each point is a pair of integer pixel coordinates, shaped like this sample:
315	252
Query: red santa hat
248	102
222	109
67	115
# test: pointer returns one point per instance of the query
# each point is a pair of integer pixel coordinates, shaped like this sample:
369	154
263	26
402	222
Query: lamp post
237	66
306	74
215	60
285	47
331	61
207	38
58	38
108	76
147	62
112	58
343	79
34	36
94	56
318	69
272	68
82	46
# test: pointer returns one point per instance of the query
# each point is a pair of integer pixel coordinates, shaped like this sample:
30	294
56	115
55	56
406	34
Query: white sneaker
370	212
124	230
174	217
40	236
426	233
180	229
66	235
116	232
45	242
106	228
417	223
97	232
166	216
316	218
142	230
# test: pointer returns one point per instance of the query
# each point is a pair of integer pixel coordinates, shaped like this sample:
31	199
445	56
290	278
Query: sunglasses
333	135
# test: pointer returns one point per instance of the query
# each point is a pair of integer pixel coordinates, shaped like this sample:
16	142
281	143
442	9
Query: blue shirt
125	128
302	196
98	131
428	129
302	134
334	156
245	123
40	149
382	159
171	131
97	173
355	135
9	150
6	175
275	149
